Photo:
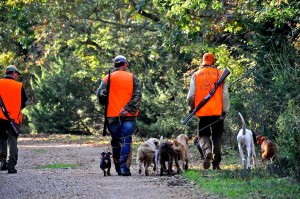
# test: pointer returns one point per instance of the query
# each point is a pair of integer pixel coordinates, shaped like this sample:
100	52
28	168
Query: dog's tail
161	140
243	124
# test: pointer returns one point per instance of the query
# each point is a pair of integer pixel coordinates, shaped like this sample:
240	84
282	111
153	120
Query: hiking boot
126	174
11	171
206	162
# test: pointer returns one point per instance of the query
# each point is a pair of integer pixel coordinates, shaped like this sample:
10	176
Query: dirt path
87	181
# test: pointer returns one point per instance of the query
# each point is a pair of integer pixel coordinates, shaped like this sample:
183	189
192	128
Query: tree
65	103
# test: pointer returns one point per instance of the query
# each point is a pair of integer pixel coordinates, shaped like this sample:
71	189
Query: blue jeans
121	133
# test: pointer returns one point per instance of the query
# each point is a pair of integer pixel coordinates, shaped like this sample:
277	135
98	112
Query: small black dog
105	163
166	154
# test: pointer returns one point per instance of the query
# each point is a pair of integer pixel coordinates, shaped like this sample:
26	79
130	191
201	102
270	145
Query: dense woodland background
65	47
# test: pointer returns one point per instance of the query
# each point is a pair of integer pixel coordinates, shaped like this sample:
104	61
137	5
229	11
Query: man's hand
123	112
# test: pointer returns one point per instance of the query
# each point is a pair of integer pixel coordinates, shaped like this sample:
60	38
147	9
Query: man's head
119	61
11	69
208	59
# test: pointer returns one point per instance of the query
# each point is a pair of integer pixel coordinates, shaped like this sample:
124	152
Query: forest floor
35	178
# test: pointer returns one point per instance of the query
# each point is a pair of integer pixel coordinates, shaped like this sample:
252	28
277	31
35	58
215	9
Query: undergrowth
234	182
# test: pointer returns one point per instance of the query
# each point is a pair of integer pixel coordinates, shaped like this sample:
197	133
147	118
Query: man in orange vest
211	116
123	106
14	98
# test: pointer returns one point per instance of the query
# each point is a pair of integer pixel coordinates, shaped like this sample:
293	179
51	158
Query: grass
40	150
58	166
243	184
234	182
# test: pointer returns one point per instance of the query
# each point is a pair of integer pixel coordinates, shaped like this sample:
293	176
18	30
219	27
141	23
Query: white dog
146	154
245	141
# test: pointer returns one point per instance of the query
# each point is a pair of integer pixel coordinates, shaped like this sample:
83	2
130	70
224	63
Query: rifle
225	73
12	123
106	105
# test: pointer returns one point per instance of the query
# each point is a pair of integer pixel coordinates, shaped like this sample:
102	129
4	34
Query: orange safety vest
120	93
10	91
205	79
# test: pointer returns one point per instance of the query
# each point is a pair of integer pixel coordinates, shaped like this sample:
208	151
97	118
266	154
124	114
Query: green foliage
64	49
61	91
289	139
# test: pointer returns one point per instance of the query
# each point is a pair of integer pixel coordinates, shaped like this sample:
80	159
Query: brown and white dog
180	146
268	148
197	144
245	141
146	154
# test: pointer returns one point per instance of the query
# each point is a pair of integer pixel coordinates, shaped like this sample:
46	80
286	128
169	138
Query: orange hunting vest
10	91
205	79
121	90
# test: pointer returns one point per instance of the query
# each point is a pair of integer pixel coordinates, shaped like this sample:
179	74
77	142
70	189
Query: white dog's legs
248	147
242	155
253	154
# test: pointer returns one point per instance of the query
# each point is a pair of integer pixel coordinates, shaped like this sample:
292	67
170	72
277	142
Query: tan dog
180	146
268	148
146	154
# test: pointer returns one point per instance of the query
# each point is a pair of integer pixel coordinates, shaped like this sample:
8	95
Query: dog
197	144
180	147
146	154
105	163
165	154
245	141
268	148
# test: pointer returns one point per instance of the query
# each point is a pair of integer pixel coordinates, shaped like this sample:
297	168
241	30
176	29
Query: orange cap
208	59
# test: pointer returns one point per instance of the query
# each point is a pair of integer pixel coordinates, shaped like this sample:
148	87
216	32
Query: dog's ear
260	139
109	154
103	154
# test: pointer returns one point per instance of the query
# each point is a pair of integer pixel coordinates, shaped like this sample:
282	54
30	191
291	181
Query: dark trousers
211	126
121	133
8	145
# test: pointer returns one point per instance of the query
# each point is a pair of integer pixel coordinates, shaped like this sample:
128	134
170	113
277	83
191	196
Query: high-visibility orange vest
121	90
205	79
10	91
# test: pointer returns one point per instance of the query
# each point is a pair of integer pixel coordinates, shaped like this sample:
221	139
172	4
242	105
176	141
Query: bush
289	138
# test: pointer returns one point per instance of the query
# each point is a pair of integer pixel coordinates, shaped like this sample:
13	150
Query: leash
198	127
207	125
